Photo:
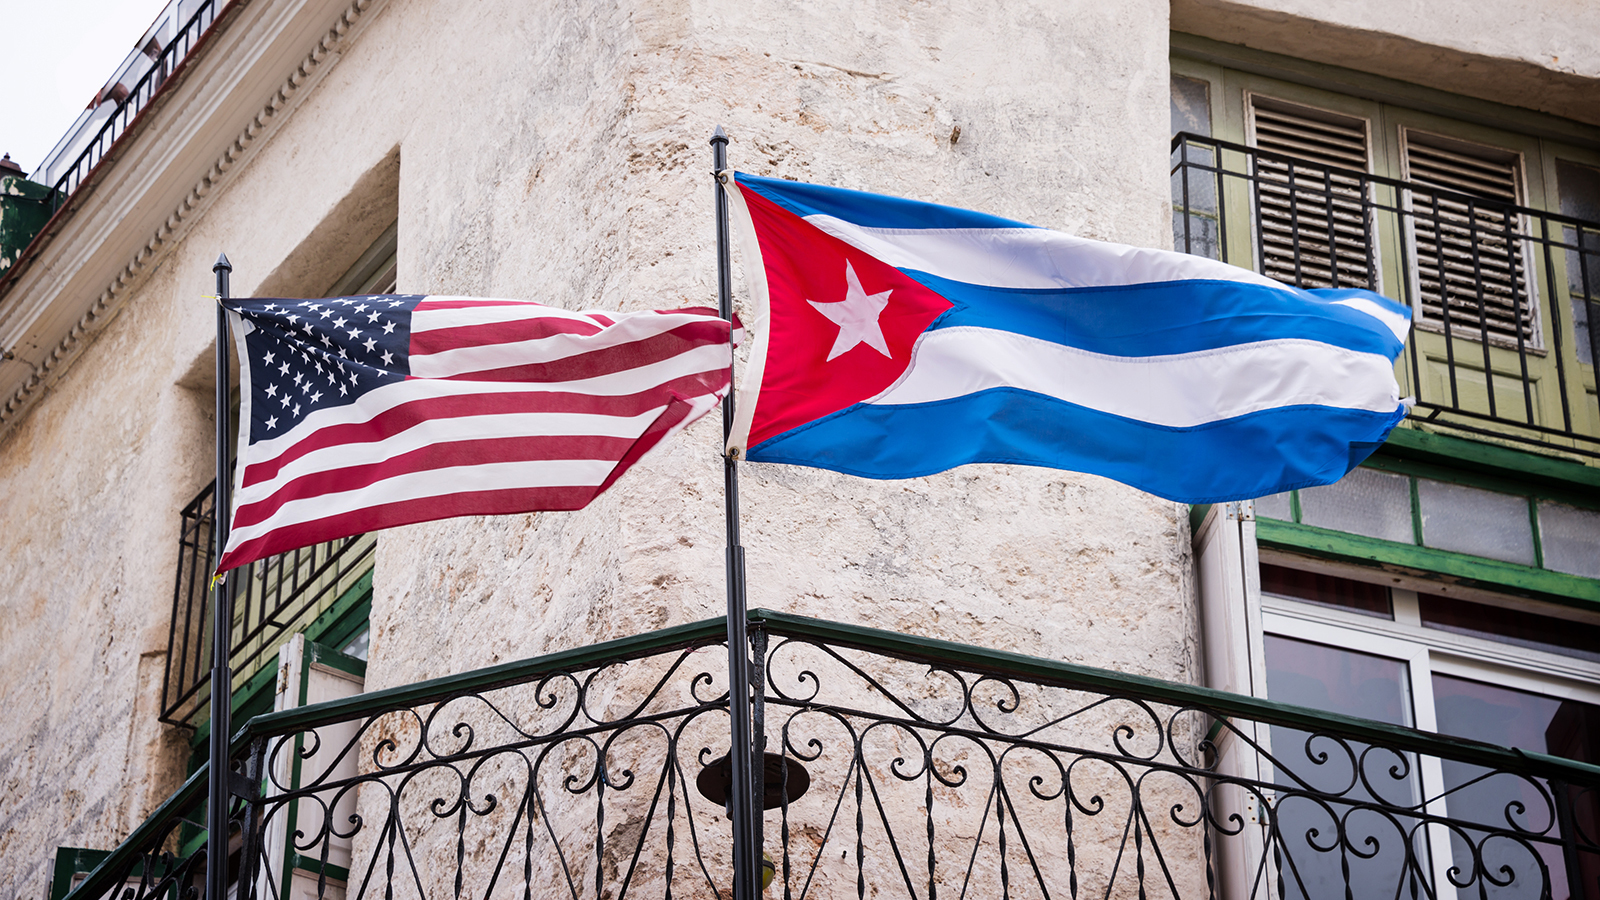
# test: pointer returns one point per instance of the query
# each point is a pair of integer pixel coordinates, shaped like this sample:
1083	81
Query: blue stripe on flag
869	210
1163	318
1248	456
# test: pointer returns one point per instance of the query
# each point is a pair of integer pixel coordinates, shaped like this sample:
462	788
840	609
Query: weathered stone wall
1060	111
92	483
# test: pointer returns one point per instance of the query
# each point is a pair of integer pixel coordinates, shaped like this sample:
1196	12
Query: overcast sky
55	57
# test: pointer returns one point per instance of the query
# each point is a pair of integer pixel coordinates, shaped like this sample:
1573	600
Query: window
1511	674
1315	229
1579	186
1484	219
1496	520
1396	648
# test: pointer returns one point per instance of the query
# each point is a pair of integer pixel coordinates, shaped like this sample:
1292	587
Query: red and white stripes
509	407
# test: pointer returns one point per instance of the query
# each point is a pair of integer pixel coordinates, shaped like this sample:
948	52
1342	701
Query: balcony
273	599
1505	299
899	766
133	87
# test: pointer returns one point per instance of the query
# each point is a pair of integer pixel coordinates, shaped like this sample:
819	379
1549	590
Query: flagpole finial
719	136
222	263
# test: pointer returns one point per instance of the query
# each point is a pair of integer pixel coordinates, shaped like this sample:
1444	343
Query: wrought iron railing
273	599
125	101
1505	299
897	766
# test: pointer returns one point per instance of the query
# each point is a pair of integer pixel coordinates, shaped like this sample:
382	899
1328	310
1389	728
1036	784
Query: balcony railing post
1562	794
250	849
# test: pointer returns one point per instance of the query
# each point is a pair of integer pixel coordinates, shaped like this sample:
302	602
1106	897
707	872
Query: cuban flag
896	338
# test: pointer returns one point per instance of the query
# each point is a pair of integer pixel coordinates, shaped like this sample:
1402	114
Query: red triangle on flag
827	299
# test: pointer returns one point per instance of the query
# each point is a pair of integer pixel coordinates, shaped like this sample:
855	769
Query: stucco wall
92	483
608	170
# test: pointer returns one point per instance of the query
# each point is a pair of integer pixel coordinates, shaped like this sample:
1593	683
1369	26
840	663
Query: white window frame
1236	617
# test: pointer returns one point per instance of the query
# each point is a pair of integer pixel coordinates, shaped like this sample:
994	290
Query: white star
369	343
354	334
283	369
269	358
388	328
343	390
317	396
293	319
388	358
372	316
272	390
362	307
856	315
297	409
272	422
339	322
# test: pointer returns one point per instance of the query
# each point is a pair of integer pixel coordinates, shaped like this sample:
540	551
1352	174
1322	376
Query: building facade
558	152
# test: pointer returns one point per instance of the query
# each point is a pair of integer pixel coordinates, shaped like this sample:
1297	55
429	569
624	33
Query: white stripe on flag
1178	391
1398	324
1029	257
488	357
432	313
432	483
699	360
448	431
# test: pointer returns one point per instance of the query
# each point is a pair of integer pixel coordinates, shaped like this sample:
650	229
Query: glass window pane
1321	833
1570	538
1366	502
1326	590
1472	520
1199	230
1195	227
1579	187
1512	718
359	645
1191	105
1275	507
1510	626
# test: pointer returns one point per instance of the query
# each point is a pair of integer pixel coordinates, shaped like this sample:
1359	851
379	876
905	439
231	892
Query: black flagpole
746	821
221	623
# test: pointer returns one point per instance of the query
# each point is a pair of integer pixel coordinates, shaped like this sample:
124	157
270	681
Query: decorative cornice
106	306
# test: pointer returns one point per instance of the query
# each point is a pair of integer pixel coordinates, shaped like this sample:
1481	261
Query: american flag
360	413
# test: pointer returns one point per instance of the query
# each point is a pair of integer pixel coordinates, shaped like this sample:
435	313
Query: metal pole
746	840
221	623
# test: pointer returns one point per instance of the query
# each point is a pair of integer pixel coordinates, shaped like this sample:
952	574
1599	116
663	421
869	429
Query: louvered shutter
1315	231
1468	252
